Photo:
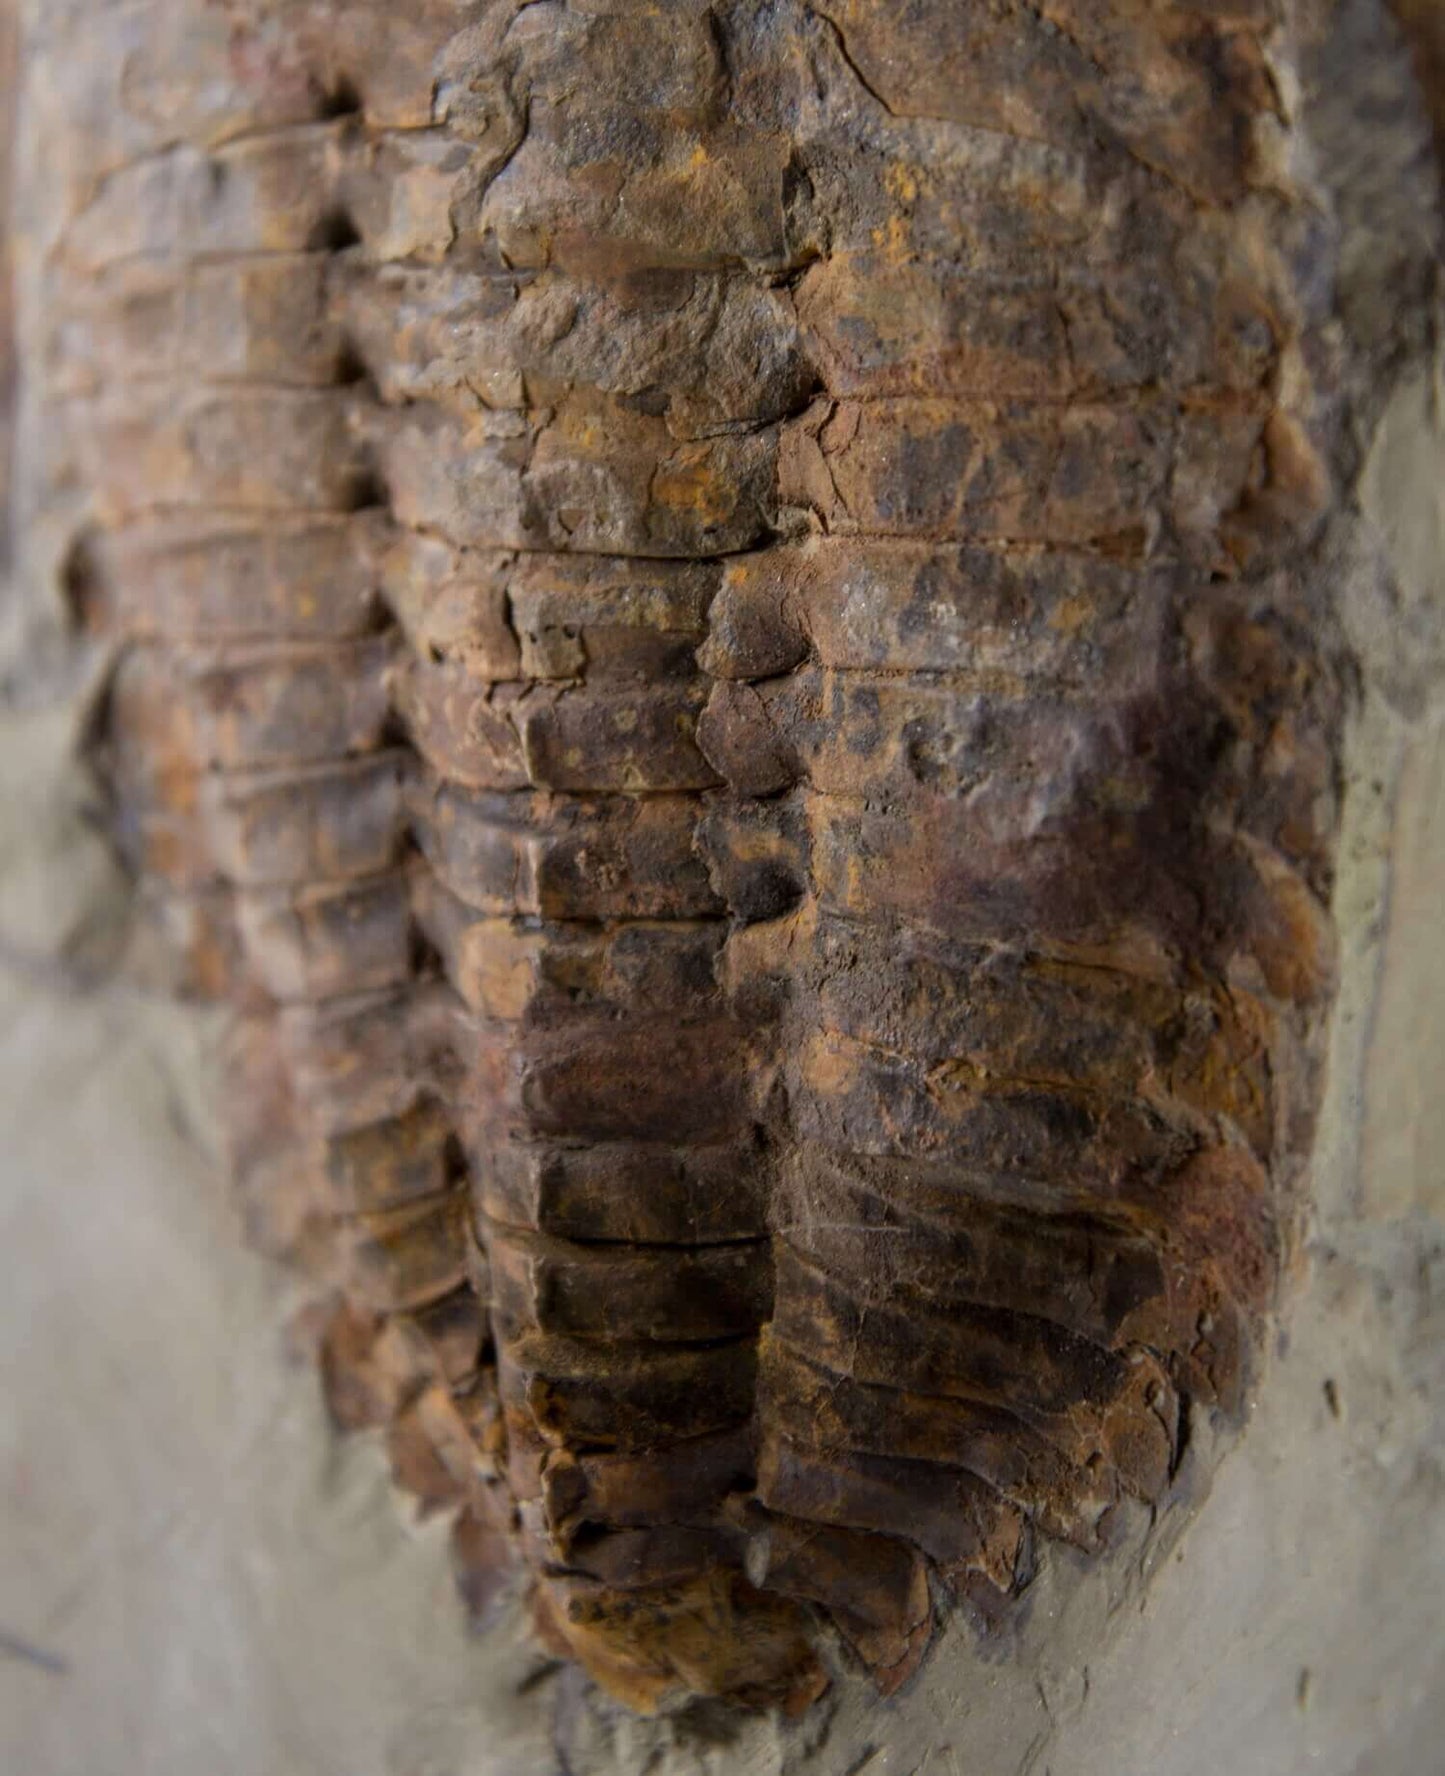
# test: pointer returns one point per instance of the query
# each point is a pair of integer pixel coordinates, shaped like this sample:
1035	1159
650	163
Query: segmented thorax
716	647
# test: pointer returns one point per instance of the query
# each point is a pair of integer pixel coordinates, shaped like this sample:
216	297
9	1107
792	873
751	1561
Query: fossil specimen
716	644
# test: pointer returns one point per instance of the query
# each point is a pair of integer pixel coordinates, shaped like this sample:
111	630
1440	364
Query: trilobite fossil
717	644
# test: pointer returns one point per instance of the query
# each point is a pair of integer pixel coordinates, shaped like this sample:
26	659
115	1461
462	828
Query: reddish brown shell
716	647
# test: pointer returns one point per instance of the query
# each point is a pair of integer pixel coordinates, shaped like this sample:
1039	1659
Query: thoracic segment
714	656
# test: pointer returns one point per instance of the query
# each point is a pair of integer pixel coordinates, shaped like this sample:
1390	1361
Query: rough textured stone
813	914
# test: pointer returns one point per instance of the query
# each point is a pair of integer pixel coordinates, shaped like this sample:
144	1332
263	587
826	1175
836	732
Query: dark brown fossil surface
717	645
